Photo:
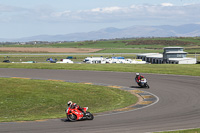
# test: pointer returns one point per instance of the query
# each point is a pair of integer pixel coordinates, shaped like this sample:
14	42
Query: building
171	55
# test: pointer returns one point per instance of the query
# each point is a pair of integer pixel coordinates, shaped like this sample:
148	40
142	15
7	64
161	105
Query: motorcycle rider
74	105
138	77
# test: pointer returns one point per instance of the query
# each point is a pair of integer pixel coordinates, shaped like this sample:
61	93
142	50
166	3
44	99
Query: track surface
178	106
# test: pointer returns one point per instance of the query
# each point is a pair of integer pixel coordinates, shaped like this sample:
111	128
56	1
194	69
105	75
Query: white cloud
10	13
167	4
5	8
107	9
61	14
165	12
11	9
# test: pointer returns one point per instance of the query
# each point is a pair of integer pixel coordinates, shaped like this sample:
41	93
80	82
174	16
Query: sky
25	18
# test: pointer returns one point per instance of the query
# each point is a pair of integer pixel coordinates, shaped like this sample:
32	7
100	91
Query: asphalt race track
178	106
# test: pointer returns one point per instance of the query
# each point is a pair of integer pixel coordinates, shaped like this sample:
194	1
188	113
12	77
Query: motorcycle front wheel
72	117
89	116
147	86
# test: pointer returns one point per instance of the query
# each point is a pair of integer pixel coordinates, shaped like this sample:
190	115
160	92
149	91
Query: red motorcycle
76	114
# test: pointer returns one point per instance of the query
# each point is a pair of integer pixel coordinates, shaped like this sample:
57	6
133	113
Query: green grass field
139	45
52	96
130	50
177	69
24	99
183	131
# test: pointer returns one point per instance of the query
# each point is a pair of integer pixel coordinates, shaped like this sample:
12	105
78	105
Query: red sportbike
76	114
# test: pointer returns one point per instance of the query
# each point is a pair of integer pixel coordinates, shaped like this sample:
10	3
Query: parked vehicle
94	60
29	62
6	61
65	61
117	60
75	114
70	57
51	60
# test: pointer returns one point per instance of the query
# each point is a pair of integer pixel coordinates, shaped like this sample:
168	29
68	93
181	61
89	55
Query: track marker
88	83
137	91
115	87
145	102
147	96
56	80
19	78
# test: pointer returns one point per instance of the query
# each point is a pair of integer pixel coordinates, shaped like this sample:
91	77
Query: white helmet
69	103
137	74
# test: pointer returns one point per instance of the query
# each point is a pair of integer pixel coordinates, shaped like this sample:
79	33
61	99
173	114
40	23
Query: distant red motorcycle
76	114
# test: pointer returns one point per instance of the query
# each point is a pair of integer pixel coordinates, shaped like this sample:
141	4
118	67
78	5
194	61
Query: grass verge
23	99
177	69
183	131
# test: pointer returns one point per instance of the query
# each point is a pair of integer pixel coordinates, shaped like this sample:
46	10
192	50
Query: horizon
112	33
99	30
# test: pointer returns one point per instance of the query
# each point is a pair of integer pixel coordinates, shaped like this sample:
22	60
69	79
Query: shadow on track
64	120
138	87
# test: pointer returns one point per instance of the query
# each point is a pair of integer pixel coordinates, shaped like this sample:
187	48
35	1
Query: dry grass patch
48	50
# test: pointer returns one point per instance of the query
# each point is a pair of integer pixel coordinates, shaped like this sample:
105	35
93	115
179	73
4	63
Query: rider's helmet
69	103
137	74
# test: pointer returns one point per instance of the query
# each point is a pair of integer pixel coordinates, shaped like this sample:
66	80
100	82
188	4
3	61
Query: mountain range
187	30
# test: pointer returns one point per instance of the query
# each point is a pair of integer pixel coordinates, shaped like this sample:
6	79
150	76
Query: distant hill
188	30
